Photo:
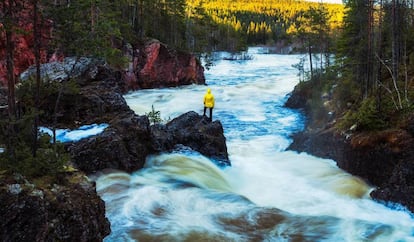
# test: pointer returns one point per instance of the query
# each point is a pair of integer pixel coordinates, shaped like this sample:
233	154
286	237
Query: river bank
384	159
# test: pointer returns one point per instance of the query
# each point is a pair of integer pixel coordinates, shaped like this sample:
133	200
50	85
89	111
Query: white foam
67	135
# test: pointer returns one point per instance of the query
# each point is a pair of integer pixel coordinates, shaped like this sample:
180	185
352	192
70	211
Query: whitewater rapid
268	194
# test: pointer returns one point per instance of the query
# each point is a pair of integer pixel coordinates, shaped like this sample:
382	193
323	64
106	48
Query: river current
268	194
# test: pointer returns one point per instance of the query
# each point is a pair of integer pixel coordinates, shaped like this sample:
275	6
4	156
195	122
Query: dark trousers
211	113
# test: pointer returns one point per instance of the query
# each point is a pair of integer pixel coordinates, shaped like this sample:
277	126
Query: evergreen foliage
50	158
366	117
374	63
86	28
154	116
269	21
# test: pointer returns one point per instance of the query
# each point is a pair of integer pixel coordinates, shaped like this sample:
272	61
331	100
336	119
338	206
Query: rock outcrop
194	131
153	64
71	211
129	139
384	159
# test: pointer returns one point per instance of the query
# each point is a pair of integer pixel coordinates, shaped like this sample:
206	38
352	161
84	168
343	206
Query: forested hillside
271	21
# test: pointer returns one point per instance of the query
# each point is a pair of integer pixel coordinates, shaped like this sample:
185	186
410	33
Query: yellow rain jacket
209	99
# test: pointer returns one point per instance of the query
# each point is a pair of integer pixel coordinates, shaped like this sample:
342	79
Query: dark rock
129	138
194	131
99	99
410	125
124	146
315	141
400	187
298	99
69	212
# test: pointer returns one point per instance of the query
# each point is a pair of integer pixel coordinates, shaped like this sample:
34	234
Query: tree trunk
370	51
310	57
11	99
396	47
36	36
379	53
395	38
10	59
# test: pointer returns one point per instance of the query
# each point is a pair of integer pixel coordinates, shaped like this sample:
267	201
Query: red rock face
152	64
156	65
23	41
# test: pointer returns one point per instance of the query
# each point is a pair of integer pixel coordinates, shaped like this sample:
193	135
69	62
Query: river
268	194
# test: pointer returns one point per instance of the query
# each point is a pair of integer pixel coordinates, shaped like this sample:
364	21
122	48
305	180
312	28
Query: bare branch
394	81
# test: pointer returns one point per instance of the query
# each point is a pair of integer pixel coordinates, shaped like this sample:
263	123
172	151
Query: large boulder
68	211
69	68
95	95
154	64
123	146
194	131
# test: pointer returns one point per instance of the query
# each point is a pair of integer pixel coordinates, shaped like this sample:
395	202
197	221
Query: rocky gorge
69	209
384	159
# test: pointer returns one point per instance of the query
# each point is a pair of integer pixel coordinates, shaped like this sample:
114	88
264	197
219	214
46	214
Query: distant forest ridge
240	23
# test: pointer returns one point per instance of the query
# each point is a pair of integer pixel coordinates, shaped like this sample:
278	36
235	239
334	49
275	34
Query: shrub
154	116
366	117
49	160
18	156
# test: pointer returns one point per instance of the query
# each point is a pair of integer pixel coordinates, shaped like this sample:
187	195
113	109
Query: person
209	103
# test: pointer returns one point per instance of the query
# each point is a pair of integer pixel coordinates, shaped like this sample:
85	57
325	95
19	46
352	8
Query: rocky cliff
384	159
153	64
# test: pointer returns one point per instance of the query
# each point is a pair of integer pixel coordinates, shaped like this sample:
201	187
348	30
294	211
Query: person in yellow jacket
209	103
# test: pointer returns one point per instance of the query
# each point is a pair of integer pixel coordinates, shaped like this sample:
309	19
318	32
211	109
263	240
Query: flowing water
268	194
